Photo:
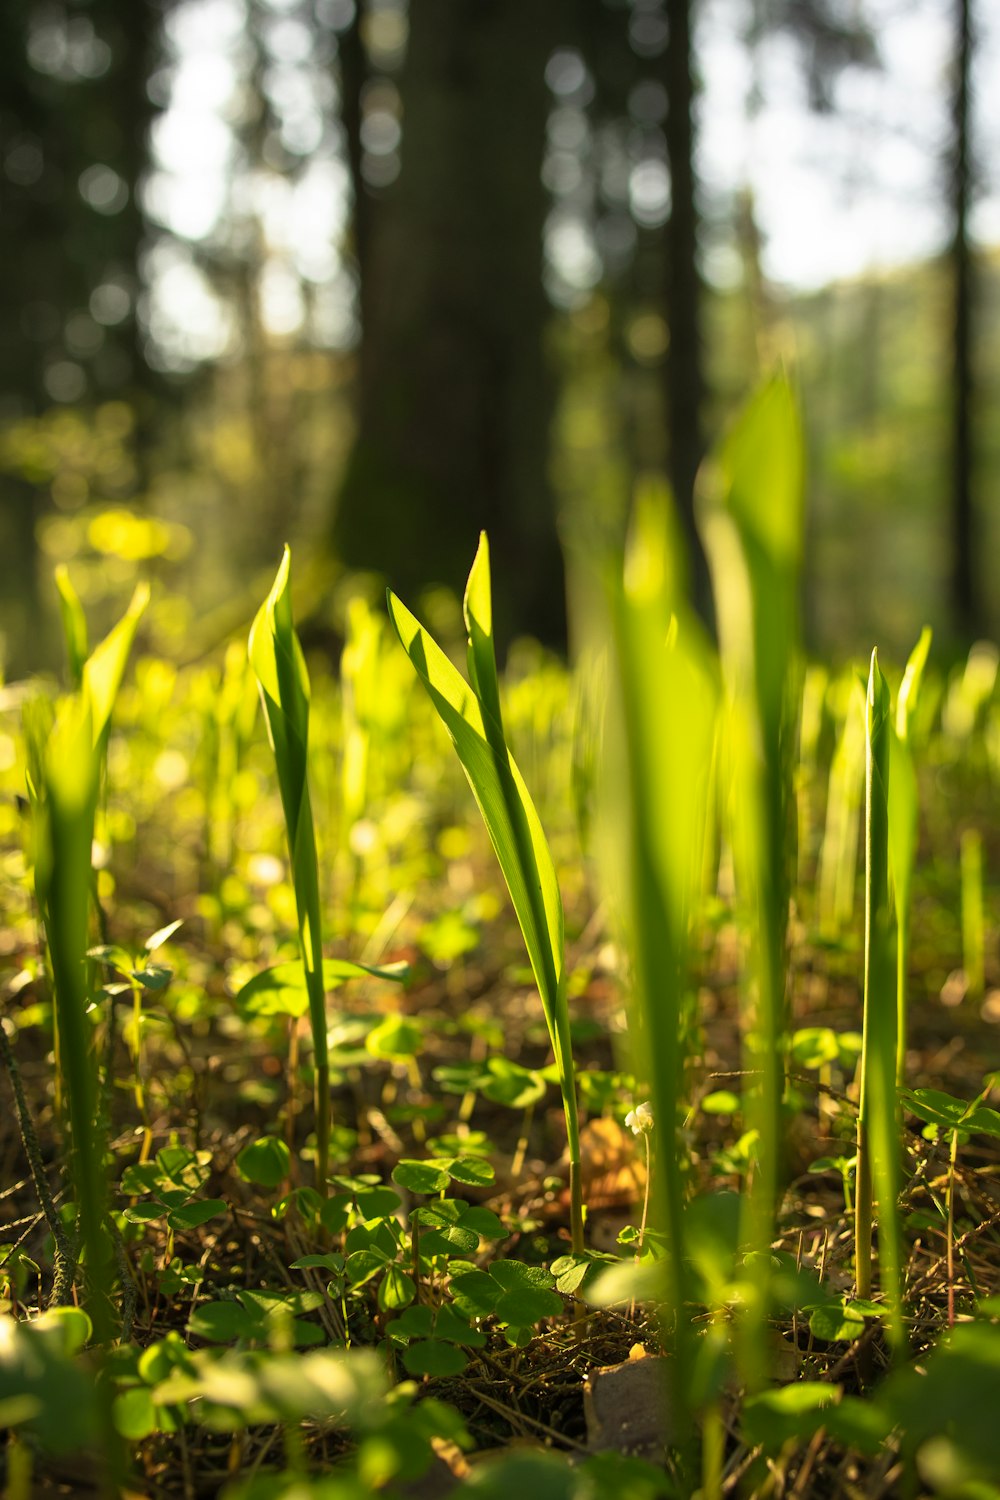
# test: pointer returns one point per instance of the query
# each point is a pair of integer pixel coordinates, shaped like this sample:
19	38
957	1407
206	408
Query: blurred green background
370	276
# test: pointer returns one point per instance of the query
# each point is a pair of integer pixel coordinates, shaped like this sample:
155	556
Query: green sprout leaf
266	1161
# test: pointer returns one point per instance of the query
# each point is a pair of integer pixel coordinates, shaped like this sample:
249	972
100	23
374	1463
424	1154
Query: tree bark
455	397
684	290
965	602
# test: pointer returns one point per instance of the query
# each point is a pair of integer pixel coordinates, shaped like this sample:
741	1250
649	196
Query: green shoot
277	660
98	678
973	943
878	1132
904	807
473	718
751	520
102	672
74	623
70	777
838	866
657	801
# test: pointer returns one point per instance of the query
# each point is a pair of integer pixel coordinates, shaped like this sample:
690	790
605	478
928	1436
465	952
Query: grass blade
878	1124
277	660
750	503
658	791
104	669
904	811
70	779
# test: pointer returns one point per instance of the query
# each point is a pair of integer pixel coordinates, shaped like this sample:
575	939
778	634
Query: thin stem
415	1249
902	957
521	1150
952	1160
291	1106
19	1469
645	1197
321	1061
65	1260
863	1219
576	1204
713	1446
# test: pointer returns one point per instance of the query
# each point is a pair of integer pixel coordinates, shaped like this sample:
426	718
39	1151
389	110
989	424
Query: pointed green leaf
104	669
523	853
909	689
478	610
74	623
161	935
282	991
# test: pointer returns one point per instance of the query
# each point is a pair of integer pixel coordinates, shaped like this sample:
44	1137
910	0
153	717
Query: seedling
751	517
904	807
277	659
878	1131
474	720
140	974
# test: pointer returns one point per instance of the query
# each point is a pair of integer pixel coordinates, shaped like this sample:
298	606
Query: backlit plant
473	718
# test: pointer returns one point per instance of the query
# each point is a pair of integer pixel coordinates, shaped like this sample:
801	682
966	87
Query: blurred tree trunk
455	397
684	292
73	104
353	77
965	601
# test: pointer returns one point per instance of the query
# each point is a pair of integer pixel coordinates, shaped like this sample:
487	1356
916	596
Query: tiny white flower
640	1119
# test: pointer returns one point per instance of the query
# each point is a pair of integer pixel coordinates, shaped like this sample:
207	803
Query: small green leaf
193	1215
282	990
939	1108
161	935
815	1046
475	1294
395	1038
222	1322
113	956
362	1265
451	1325
69	1328
415	1323
421	1176
483	1222
430	1357
721	1102
836	1322
510	1084
396	1290
527	1305
141	1178
456	1238
266	1161
513	1274
335	1212
333	1263
134	1413
472	1170
794	1411
378	1203
153	976
572	1271
144	1213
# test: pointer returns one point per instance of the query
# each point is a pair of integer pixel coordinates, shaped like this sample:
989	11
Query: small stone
626	1406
